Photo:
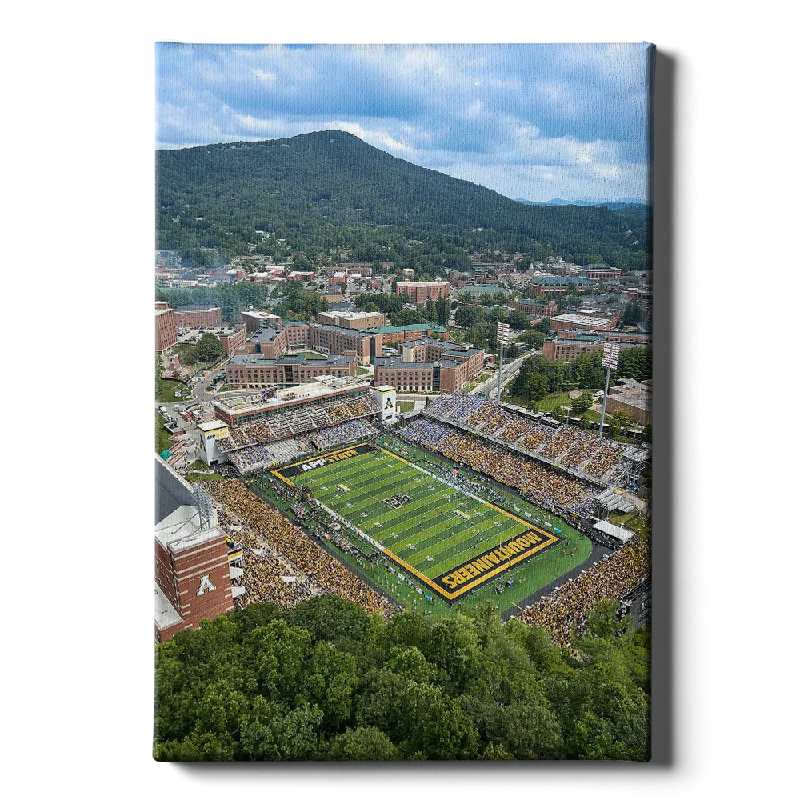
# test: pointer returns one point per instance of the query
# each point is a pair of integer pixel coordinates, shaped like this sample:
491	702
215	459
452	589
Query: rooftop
581	319
418	326
255	360
165	614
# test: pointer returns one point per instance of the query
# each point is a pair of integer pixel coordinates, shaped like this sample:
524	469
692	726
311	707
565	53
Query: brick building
166	328
602	272
583	322
551	285
357	320
634	397
429	365
192	564
232	340
360	268
567	346
199	318
403	333
253	371
422	291
569	349
255	320
331	339
537	309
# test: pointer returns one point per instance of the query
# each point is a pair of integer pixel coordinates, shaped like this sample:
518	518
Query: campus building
586	322
602	272
568	345
166	327
634	397
429	365
550	285
422	291
329	339
392	334
537	309
568	349
193	566
255	320
232	339
199	317
352	320
253	371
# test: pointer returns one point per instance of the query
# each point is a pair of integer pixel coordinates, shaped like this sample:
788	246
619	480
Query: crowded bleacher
293	421
262	456
545	487
293	545
352	431
563	612
564	445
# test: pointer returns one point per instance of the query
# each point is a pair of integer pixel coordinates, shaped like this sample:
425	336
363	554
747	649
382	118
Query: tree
271	732
209	348
519	320
331	679
582	403
443	310
158	375
533	338
467	316
636	362
535	387
633	314
620	420
543	325
587	371
362	744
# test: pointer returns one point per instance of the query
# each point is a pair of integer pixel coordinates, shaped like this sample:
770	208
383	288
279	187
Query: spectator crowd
292	544
547	488
565	445
563	612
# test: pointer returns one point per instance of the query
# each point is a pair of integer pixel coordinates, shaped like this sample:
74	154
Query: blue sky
531	121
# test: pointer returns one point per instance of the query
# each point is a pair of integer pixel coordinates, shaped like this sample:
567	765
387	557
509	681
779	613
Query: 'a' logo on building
205	585
388	403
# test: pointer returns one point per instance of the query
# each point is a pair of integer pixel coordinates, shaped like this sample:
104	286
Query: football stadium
446	536
328	490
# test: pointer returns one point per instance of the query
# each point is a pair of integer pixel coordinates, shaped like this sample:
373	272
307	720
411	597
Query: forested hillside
330	190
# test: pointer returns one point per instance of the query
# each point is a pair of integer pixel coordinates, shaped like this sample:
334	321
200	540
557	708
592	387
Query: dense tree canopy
209	348
328	681
329	191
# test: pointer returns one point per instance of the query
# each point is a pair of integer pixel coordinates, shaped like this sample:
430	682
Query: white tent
623	534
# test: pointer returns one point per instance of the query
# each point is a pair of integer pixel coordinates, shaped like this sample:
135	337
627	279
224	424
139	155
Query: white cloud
509	117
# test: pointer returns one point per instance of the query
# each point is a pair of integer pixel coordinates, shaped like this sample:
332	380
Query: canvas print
403	381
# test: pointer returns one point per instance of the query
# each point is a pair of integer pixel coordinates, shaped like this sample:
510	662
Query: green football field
450	540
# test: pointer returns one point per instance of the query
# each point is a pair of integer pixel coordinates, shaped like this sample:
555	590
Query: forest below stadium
328	681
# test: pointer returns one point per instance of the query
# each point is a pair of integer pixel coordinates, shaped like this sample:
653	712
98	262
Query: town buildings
253	371
422	291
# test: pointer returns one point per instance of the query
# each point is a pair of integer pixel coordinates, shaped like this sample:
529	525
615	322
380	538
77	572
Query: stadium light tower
610	361
503	336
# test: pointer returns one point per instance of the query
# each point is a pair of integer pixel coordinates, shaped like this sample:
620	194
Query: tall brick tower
192	573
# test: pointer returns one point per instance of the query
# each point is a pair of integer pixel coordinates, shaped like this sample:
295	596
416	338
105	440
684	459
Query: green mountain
330	190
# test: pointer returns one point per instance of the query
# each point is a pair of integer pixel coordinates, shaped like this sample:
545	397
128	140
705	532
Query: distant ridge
624	202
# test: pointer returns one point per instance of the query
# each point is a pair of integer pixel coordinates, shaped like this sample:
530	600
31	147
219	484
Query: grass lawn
405	405
426	537
162	435
168	388
310	354
200	477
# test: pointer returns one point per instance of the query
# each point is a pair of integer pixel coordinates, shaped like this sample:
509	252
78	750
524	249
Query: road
509	371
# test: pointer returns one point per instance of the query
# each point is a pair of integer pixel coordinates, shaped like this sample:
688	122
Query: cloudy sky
530	121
